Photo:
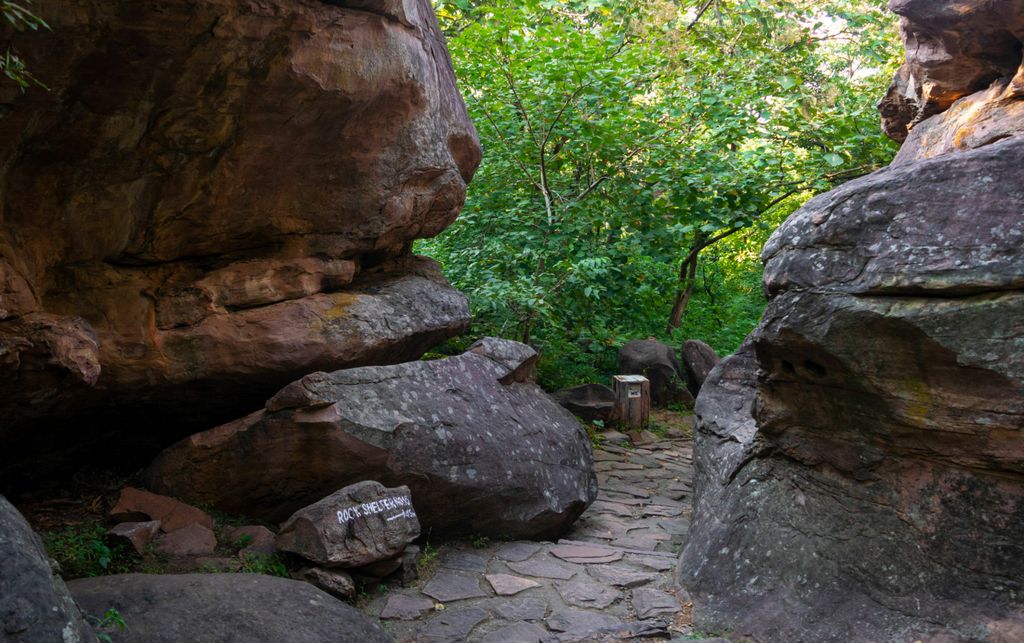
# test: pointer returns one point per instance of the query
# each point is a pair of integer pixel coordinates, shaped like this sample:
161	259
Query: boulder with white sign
485	451
356	526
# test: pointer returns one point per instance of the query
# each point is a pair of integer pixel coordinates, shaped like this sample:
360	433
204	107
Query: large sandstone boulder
588	402
223	608
658	363
861	458
214	199
481	452
34	602
954	49
698	360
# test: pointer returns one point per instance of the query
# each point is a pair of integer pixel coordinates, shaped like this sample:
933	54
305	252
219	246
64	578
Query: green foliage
110	620
428	562
480	542
82	551
622	137
273	565
18	15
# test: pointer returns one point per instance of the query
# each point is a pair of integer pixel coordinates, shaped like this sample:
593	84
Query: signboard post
632	401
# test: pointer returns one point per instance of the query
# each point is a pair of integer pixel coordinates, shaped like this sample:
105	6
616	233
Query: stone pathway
609	579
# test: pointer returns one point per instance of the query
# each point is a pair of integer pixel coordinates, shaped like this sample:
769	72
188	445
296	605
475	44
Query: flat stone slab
627	489
585	555
447	587
523	609
615	437
661	510
677	527
584	593
517	552
517	633
508	585
652	602
542	569
452	626
580	621
658	564
463	561
406	608
620	576
644	542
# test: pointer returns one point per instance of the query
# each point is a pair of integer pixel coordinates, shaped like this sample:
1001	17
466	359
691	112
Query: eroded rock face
880	493
482	453
954	49
34	602
210	201
861	458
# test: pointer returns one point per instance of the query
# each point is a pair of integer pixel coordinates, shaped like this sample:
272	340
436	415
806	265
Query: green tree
637	153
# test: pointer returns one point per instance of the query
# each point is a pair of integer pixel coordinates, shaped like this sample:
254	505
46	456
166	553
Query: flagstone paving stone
613	572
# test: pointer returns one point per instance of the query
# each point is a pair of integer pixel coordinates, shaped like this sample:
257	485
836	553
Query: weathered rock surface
480	457
214	199
34	602
227	608
359	525
172	514
254	540
860	458
657	362
193	540
698	360
955	48
136	534
588	402
336	582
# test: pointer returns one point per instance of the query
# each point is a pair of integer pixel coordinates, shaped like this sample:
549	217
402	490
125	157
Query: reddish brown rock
193	540
137	534
955	48
213	199
172	514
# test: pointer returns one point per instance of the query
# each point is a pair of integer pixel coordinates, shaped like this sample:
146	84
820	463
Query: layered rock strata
212	199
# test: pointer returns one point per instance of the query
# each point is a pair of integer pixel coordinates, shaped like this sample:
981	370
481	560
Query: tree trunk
687	281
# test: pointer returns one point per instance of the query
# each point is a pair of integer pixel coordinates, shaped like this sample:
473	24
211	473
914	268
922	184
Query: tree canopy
637	155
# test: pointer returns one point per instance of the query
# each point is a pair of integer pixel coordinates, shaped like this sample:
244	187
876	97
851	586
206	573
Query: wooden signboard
632	401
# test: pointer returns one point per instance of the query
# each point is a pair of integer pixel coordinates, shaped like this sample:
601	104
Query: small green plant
596	437
82	551
273	565
658	429
243	541
479	542
110	619
428	561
